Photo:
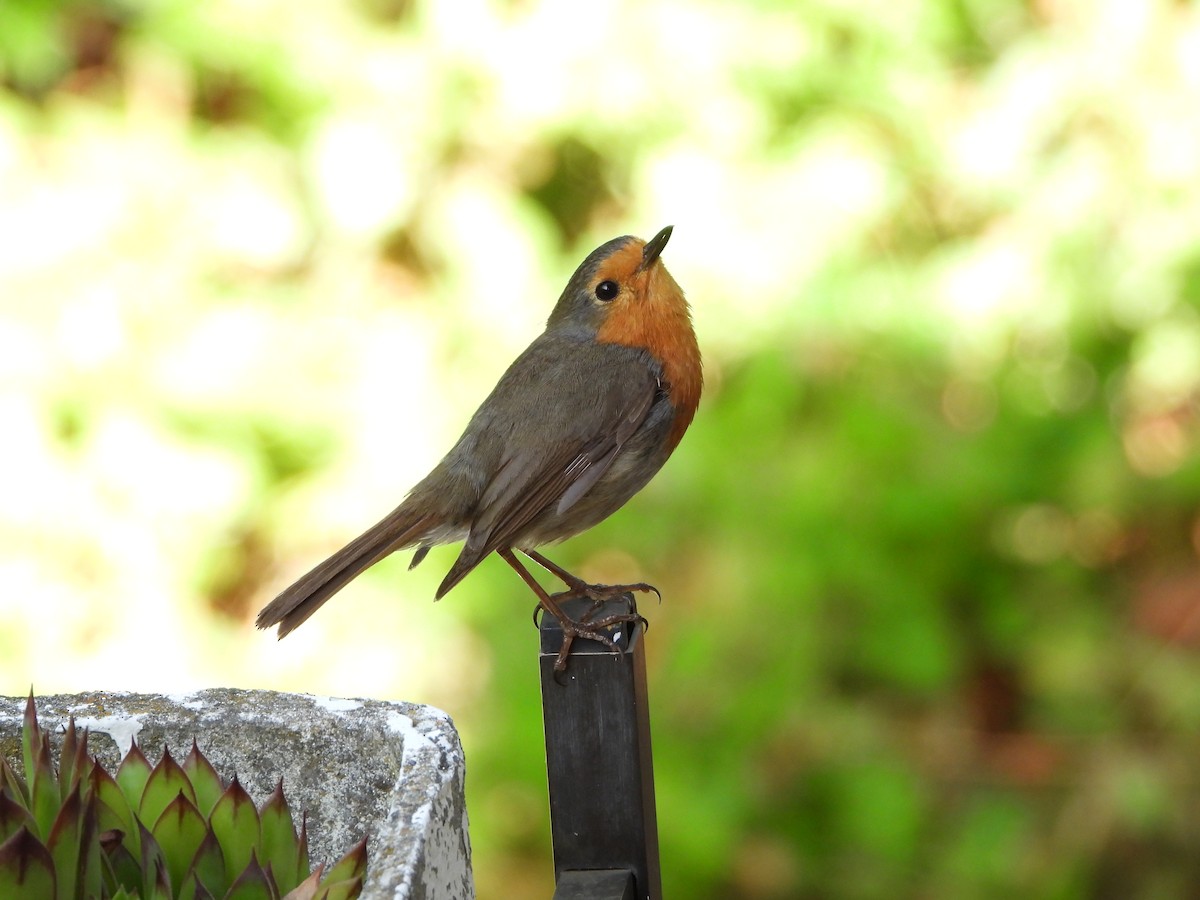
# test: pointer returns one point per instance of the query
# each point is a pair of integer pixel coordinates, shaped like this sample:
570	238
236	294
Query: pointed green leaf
251	884
179	831
12	785
91	871
161	889
132	775
66	760
352	865
72	759
106	790
280	846
204	780
108	823
235	822
44	798
340	890
153	864
113	809
303	864
31	738
120	867
194	889
43	790
64	841
208	865
167	780
39	771
13	817
26	868
271	882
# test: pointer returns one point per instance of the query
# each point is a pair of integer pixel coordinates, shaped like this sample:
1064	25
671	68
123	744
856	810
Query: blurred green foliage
929	552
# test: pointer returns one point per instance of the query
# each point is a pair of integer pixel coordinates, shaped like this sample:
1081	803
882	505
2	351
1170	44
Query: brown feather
402	527
536	480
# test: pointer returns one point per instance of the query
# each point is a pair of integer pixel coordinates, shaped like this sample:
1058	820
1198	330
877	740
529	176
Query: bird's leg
571	628
598	593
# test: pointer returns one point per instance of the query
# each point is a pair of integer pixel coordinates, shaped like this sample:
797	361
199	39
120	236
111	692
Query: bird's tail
402	527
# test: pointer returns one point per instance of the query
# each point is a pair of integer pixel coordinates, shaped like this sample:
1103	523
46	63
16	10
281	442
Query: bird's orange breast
654	316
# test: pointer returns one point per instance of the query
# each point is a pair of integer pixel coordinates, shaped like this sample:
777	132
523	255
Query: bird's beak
654	247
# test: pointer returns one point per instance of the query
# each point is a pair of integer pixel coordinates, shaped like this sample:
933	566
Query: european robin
579	423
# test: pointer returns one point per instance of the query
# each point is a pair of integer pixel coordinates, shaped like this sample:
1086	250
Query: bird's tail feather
400	528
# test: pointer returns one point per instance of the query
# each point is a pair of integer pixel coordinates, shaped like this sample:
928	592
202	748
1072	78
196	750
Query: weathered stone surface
391	770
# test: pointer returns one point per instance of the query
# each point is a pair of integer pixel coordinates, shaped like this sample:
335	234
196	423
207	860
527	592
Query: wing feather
532	480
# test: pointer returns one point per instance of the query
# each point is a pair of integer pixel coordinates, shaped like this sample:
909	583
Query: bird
575	427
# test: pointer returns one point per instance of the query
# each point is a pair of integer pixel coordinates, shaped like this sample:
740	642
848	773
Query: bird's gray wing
558	453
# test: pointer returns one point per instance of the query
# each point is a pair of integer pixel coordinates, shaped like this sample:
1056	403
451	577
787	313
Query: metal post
598	763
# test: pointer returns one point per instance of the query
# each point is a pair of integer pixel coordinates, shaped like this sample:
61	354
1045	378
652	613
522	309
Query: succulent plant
165	832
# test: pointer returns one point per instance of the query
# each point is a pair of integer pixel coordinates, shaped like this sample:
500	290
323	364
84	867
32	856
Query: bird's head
621	281
623	294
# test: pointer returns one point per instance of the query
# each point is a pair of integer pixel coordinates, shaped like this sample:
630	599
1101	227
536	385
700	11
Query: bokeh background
930	551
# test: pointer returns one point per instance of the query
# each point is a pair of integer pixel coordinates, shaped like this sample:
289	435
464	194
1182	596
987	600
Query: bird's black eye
607	290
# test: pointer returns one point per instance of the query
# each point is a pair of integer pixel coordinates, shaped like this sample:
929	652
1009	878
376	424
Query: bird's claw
600	593
587	627
595	631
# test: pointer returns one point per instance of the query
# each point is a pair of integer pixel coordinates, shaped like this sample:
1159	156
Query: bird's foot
577	587
591	629
600	594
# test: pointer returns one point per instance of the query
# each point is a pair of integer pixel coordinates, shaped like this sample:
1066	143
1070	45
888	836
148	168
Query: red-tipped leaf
132	775
64	841
208	865
44	799
113	809
352	865
252	883
12	785
13	817
280	846
303	864
31	738
26	867
167	781
179	831
235	822
67	776
194	889
155	875
204	779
